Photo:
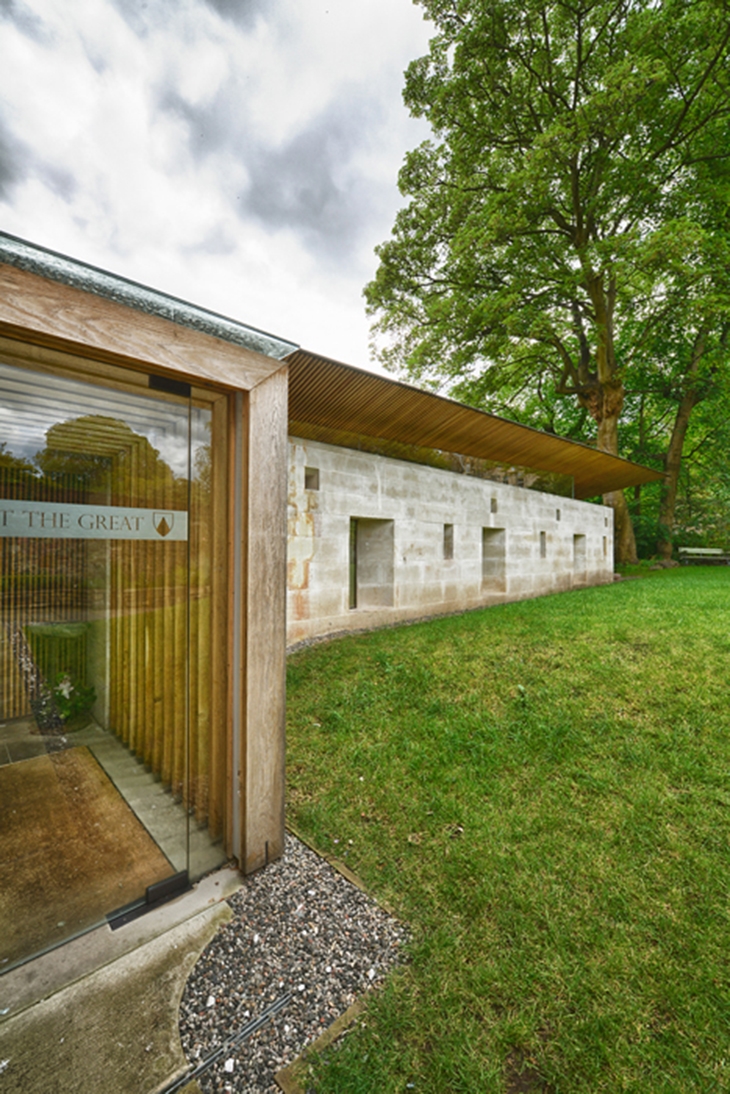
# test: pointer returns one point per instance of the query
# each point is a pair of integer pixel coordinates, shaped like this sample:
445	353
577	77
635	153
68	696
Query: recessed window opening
493	557
448	542
372	564
352	599
311	478
605	546
557	514
493	505
579	552
543	545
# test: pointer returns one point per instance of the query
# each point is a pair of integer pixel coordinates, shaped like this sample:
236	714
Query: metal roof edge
81	275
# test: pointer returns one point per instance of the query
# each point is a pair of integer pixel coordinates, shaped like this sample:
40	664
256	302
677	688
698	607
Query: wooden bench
703	556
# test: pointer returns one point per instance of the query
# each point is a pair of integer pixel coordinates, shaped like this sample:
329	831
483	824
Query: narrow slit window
557	514
448	542
493	506
311	478
353	564
543	545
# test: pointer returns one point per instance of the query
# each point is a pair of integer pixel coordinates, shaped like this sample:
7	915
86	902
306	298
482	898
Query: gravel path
299	927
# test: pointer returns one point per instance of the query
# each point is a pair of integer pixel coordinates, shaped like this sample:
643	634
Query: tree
678	419
702	354
703	496
563	195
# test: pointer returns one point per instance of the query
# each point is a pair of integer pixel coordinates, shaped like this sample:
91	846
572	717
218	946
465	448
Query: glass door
112	736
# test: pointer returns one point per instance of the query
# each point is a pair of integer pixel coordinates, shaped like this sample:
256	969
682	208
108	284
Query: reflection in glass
109	721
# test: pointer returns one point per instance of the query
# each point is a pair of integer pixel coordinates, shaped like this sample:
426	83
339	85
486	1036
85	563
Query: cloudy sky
241	154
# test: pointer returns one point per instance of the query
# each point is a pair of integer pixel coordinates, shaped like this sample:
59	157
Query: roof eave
81	275
333	398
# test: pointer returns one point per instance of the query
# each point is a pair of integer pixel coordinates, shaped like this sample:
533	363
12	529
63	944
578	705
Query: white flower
65	687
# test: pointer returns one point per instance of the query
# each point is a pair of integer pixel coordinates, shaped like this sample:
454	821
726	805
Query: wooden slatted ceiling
328	399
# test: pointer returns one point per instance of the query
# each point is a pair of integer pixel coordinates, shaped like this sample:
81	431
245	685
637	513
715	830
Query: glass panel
111	730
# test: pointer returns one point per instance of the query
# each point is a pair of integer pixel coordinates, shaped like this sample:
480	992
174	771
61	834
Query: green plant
71	697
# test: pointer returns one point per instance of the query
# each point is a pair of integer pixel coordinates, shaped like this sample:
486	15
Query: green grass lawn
541	792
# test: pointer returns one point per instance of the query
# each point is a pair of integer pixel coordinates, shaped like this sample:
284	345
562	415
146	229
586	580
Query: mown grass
541	792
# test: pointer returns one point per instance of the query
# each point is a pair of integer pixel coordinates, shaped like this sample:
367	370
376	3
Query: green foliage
574	172
703	505
71	697
655	388
569	215
540	791
58	702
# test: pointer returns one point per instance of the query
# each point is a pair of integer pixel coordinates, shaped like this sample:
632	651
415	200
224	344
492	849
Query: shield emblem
163	523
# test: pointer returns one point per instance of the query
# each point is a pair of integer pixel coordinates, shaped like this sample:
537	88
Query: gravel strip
298	927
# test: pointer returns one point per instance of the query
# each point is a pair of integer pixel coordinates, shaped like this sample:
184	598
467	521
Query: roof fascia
49	312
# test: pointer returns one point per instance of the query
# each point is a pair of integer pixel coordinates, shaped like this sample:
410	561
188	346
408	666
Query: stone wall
374	540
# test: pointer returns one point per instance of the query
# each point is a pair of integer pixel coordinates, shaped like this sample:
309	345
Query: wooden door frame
54	327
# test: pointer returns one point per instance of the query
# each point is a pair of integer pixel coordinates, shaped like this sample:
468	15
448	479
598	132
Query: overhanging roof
329	401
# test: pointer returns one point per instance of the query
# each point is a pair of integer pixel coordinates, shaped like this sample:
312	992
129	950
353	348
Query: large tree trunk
624	541
672	466
673	457
604	399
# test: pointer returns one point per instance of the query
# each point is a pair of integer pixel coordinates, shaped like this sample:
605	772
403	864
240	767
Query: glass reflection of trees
135	593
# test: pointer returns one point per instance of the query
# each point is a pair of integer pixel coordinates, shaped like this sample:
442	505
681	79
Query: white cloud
241	155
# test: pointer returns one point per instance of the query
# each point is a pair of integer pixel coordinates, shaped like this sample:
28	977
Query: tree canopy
576	187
